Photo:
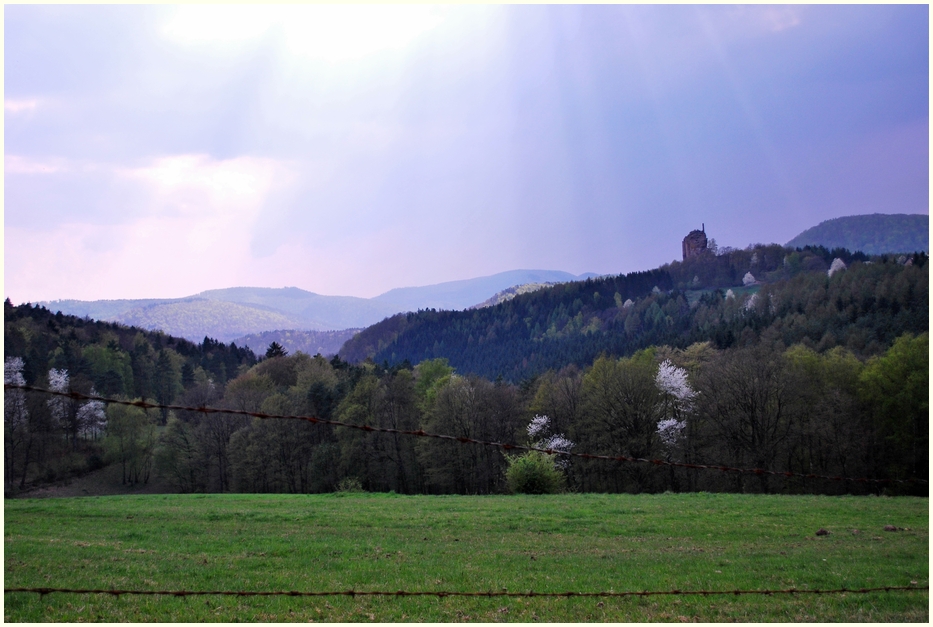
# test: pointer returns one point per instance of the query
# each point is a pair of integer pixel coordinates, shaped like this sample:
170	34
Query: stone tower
694	243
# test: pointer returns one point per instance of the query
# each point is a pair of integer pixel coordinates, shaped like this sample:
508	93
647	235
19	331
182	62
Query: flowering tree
537	431
672	381
15	417
837	266
669	430
677	401
76	419
14	401
91	417
59	405
748	279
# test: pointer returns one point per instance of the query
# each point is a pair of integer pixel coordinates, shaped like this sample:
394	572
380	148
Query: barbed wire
442	594
461	439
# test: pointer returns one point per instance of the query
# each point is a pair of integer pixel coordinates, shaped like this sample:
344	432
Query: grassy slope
547	543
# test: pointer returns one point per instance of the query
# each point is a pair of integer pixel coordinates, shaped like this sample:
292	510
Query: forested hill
873	234
733	298
326	343
112	358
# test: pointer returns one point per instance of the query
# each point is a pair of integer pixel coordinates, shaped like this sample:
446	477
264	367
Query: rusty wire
461	439
442	594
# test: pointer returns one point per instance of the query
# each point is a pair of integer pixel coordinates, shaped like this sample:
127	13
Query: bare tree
746	395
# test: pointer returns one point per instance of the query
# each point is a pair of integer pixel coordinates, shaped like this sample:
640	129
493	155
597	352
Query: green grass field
582	543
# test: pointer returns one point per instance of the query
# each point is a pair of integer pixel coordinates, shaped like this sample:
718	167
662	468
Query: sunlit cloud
198	216
204	23
324	32
202	185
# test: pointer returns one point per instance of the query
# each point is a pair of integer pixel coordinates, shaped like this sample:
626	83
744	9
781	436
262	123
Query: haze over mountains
234	313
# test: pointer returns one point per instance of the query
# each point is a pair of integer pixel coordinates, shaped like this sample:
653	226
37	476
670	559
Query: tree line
762	406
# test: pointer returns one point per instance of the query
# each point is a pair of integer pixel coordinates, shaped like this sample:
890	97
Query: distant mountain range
249	315
238	312
874	234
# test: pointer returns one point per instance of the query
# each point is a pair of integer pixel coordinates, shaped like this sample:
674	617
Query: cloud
17	164
199	185
21	105
190	229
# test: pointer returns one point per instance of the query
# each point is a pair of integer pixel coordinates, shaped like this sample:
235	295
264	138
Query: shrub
349	485
533	473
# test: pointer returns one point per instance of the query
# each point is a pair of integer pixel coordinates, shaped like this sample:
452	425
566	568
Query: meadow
548	543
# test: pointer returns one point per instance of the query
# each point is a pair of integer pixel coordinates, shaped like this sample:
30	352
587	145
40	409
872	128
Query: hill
112	357
232	313
455	295
199	318
109	310
308	310
326	343
510	293
874	234
790	298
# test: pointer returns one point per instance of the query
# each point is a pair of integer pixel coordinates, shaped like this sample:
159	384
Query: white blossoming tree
748	279
14	401
59	405
538	432
91	417
15	418
87	418
837	266
677	398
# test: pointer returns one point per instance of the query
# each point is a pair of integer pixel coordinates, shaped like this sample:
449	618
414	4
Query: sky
159	151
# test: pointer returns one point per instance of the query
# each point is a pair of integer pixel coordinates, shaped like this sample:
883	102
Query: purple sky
157	151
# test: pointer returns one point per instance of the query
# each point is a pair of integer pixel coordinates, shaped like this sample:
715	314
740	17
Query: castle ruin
694	243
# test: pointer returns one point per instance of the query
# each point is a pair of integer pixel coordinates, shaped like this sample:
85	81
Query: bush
533	473
349	485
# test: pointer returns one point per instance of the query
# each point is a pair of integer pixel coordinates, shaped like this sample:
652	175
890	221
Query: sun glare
326	32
